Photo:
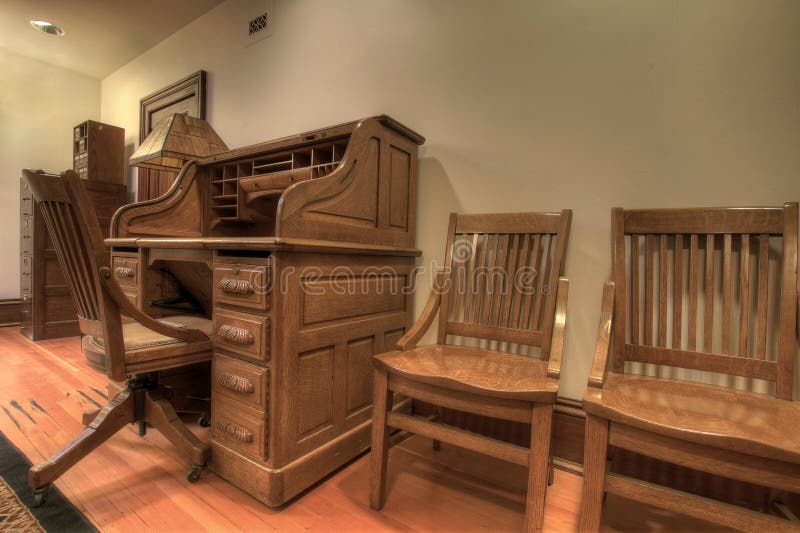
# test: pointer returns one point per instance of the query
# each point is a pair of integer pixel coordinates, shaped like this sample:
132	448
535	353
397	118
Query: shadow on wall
437	199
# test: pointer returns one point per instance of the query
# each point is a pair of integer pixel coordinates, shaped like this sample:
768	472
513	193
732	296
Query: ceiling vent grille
259	23
259	17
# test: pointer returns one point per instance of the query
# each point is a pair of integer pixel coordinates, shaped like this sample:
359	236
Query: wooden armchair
501	288
132	351
711	290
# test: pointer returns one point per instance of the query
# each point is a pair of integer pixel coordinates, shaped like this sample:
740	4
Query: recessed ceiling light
47	27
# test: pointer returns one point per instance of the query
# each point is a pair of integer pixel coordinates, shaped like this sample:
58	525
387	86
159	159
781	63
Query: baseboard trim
9	311
569	424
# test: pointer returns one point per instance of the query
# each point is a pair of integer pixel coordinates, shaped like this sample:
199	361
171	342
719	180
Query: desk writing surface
259	243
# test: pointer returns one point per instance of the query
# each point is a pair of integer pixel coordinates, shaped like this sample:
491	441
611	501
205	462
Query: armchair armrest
420	327
559	325
127	308
597	375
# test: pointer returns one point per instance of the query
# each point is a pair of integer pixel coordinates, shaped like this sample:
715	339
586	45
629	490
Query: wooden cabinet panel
358	393
314	391
334	299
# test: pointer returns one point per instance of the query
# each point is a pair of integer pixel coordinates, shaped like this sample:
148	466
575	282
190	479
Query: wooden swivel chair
132	350
705	289
501	288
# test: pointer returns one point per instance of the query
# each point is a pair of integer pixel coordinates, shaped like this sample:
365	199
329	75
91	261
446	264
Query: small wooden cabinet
98	152
47	311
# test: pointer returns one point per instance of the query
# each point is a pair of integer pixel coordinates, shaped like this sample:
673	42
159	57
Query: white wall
39	105
529	105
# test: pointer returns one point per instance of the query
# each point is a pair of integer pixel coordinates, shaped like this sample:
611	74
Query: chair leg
594	473
160	414
379	456
541	432
111	418
551	473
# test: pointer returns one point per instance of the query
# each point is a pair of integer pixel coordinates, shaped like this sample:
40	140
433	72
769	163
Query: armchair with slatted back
712	290
132	350
499	291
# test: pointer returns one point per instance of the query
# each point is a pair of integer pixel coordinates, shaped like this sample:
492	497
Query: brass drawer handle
235	286
236	383
124	272
236	431
235	335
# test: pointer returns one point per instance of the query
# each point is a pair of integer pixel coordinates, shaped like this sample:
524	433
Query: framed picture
187	95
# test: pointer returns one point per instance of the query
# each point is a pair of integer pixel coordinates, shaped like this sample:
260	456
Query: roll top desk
301	250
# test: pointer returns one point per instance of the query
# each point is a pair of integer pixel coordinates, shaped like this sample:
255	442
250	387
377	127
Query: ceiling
101	35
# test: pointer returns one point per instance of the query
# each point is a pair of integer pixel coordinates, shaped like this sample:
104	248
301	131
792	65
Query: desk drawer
241	333
238	427
125	270
244	285
243	382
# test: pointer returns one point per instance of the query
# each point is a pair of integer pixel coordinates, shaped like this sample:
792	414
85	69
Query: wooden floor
139	484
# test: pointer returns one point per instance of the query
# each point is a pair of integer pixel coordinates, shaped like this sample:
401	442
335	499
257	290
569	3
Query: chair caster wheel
194	473
40	495
203	421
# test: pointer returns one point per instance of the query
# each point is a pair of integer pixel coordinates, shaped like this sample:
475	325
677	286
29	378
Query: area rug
57	515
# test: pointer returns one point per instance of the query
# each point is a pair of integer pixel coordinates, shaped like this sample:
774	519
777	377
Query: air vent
258	24
258	16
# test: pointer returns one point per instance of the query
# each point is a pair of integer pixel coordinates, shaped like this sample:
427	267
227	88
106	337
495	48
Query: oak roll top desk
301	250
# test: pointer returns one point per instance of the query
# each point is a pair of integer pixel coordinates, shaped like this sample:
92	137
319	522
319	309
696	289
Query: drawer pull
236	383
236	431
125	272
235	335
235	286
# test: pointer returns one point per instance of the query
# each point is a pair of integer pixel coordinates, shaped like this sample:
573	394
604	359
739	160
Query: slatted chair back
501	278
75	232
707	289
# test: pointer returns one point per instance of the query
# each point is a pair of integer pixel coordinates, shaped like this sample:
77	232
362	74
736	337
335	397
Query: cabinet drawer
241	333
241	381
26	237
238	427
125	270
26	229
26	267
244	285
26	205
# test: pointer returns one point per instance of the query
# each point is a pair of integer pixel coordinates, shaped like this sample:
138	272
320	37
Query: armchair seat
737	421
479	371
145	347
